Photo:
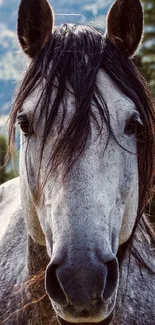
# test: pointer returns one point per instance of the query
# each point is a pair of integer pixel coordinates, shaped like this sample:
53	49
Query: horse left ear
125	25
34	27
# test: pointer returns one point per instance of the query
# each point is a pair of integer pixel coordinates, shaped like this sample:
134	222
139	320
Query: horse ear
34	27
125	25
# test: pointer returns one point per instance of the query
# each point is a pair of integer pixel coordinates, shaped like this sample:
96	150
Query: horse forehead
113	97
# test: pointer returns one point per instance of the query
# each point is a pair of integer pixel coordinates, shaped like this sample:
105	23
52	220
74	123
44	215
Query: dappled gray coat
21	259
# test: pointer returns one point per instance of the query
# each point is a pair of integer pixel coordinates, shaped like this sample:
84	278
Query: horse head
84	124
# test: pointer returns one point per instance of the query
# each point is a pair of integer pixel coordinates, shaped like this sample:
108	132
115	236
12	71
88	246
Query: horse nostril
84	313
112	279
53	286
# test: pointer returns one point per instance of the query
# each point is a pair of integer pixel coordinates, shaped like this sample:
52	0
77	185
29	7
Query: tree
6	172
147	52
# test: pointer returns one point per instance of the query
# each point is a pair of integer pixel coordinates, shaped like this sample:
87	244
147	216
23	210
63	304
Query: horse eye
132	125
24	124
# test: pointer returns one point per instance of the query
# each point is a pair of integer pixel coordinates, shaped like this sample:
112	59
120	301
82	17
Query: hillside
12	61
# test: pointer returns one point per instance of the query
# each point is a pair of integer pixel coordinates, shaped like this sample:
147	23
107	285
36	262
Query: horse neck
37	307
37	258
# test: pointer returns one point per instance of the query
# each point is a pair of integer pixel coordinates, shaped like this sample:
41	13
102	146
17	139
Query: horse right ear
34	27
125	25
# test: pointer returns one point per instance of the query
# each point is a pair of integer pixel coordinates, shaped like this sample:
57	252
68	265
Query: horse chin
70	315
106	321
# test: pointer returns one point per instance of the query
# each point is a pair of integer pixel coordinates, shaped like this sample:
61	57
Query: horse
76	246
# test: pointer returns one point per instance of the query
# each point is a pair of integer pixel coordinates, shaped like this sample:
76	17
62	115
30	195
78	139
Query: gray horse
87	160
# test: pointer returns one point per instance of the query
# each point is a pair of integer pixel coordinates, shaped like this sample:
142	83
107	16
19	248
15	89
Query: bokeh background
13	62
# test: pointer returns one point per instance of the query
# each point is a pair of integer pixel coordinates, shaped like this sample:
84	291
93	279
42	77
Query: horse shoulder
22	299
13	239
9	202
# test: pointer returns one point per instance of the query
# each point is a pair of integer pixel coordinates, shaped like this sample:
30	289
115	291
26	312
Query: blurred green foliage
6	170
147	51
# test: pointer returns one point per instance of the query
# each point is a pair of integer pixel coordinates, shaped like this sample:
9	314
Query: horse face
83	217
87	215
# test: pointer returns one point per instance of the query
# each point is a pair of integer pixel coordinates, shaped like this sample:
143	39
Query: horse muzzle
82	292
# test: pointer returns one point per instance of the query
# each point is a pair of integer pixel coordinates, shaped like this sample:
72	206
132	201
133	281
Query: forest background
12	61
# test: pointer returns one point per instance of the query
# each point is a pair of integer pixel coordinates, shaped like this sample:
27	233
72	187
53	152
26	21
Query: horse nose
81	286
